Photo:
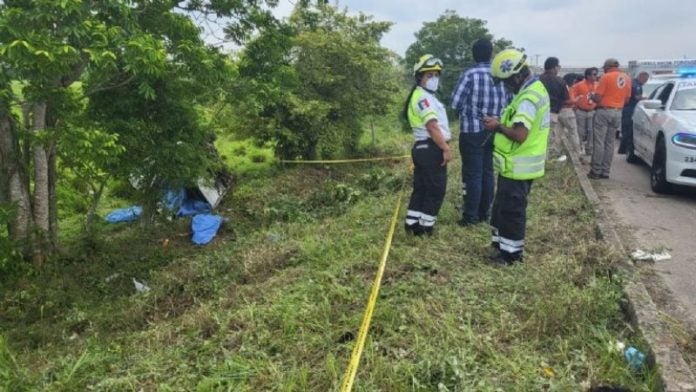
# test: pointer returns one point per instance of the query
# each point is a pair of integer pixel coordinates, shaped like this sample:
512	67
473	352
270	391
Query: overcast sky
578	32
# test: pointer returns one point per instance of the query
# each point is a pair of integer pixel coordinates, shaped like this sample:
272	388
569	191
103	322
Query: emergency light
689	72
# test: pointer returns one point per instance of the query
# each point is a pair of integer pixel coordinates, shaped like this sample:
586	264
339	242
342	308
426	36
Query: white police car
664	133
656	81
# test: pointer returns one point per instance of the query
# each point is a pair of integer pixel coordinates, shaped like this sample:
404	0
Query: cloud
580	33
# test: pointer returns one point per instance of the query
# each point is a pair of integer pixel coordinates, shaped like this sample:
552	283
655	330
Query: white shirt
425	107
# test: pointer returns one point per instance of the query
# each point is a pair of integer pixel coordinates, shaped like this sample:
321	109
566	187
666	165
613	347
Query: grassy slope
275	302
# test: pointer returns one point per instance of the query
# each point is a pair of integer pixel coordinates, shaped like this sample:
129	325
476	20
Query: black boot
414	229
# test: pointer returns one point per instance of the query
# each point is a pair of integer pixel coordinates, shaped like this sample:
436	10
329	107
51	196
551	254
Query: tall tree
308	84
450	38
48	45
14	192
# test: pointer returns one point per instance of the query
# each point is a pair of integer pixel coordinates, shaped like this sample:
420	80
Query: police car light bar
689	72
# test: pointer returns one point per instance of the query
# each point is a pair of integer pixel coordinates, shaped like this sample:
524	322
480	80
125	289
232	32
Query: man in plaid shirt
475	97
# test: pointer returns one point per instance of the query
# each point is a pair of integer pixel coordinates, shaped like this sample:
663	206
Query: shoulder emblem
621	81
423	104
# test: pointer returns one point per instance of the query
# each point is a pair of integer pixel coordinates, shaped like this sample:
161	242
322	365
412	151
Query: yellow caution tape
352	369
350	160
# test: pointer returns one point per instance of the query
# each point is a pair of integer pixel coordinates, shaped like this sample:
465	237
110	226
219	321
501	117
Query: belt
429	141
608	108
586	111
425	141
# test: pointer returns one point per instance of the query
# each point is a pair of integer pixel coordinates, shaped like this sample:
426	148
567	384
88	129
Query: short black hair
551	63
590	71
482	49
569	79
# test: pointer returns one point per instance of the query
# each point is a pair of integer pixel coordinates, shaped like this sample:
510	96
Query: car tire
658	172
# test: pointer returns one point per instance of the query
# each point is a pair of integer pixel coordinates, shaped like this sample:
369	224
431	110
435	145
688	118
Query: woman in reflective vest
519	156
427	118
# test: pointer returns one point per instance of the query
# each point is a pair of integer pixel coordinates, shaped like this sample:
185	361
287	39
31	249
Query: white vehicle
664	134
656	81
659	70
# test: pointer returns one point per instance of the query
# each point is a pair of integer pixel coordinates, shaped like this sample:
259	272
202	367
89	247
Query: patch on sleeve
423	104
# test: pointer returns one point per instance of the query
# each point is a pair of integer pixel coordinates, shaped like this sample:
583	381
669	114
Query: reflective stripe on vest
528	164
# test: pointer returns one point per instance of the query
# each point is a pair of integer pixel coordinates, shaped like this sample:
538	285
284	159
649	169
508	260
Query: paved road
650	221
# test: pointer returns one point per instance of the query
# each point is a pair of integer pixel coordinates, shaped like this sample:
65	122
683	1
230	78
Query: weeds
10	372
275	303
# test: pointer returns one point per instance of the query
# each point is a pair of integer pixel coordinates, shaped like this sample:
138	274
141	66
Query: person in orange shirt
612	93
585	107
566	117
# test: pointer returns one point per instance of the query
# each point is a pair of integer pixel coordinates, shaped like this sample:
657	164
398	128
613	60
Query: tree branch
104	88
75	73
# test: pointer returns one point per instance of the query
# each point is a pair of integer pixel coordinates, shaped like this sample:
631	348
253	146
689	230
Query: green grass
244	157
275	302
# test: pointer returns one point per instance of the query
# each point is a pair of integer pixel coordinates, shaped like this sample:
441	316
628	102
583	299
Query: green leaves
450	38
146	91
145	54
21	43
314	81
143	66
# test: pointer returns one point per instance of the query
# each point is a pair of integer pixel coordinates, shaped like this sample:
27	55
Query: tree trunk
26	148
14	184
92	213
52	198
51	151
41	188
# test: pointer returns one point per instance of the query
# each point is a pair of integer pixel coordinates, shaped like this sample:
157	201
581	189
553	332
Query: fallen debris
205	228
140	286
617	346
634	357
128	214
111	277
641	255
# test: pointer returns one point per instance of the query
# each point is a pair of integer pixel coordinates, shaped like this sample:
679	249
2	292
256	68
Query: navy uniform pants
429	186
626	144
509	217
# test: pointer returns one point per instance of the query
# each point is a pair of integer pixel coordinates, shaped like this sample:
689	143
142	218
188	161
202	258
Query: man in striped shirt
477	96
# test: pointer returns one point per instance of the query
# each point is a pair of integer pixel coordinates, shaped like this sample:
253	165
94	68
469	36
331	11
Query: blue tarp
193	207
124	214
173	199
177	200
205	227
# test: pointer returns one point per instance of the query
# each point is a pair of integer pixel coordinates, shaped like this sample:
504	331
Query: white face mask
432	83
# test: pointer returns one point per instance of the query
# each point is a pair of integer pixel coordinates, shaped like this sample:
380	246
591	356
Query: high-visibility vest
527	160
423	107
